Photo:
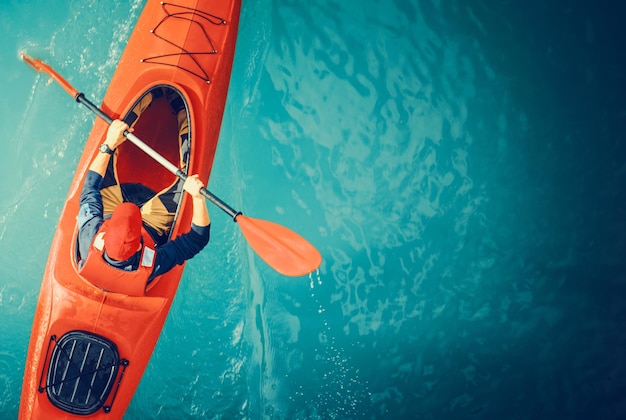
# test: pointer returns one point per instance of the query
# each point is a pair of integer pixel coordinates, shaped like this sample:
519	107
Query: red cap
123	236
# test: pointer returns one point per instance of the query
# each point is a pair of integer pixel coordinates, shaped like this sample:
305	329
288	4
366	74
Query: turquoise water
461	169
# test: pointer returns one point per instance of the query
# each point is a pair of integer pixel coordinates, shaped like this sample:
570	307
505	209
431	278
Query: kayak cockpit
160	117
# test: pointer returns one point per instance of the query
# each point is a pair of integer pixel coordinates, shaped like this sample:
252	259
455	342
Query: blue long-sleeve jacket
91	217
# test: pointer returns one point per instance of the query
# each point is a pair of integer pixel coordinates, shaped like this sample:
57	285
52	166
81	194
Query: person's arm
115	137
90	215
188	245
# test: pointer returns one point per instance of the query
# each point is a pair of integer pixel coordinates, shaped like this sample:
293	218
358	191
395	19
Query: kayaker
121	241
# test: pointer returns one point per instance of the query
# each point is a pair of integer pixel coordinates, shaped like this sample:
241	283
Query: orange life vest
101	274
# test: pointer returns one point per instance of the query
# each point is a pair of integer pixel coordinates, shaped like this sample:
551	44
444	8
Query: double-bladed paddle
281	248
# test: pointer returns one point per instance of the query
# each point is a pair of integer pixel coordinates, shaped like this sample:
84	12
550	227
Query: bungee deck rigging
195	17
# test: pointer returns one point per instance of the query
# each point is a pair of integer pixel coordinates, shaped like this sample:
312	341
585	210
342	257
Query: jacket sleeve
90	215
180	249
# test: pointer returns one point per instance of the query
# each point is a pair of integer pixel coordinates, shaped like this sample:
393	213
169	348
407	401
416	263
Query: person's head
123	236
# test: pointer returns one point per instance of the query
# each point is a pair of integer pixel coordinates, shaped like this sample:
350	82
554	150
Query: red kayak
89	347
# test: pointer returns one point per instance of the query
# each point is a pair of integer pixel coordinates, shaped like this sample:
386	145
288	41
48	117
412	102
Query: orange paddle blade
40	66
282	249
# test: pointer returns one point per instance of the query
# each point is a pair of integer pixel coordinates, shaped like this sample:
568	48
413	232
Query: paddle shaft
80	98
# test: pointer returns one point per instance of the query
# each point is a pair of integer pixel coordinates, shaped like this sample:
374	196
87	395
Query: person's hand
193	185
115	134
